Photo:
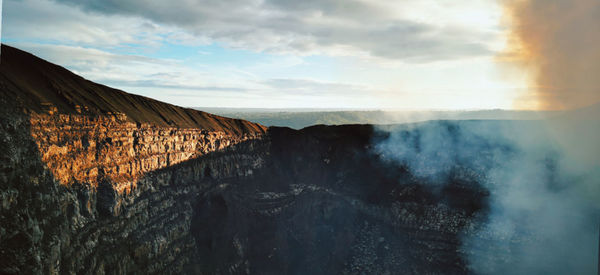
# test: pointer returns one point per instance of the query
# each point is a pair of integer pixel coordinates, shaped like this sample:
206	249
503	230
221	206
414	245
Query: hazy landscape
300	118
282	137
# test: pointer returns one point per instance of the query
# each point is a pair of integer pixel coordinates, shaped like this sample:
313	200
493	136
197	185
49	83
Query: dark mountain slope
37	85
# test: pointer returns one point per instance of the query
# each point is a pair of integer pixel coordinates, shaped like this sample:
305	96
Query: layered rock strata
84	149
103	195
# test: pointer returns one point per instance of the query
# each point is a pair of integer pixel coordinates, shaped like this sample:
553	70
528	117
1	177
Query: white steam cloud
544	205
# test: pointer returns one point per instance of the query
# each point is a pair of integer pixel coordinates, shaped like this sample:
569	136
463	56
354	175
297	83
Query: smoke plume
543	177
557	41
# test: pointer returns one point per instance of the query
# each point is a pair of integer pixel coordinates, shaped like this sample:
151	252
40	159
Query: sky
376	54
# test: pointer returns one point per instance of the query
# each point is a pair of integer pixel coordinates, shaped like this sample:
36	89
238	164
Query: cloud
159	84
126	71
314	87
39	21
331	27
97	64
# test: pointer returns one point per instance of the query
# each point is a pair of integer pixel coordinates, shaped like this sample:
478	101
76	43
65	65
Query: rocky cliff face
109	149
96	194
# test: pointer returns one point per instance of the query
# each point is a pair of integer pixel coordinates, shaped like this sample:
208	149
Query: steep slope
95	179
40	86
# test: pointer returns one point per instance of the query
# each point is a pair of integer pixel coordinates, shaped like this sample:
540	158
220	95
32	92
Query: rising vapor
556	40
542	177
541	214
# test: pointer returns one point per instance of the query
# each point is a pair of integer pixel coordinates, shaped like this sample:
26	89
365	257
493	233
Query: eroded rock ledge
89	149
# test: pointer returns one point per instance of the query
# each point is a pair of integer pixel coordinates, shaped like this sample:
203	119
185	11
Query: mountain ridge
39	86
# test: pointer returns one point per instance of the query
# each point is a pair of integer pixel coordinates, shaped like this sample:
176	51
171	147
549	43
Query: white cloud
134	70
334	27
297	86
